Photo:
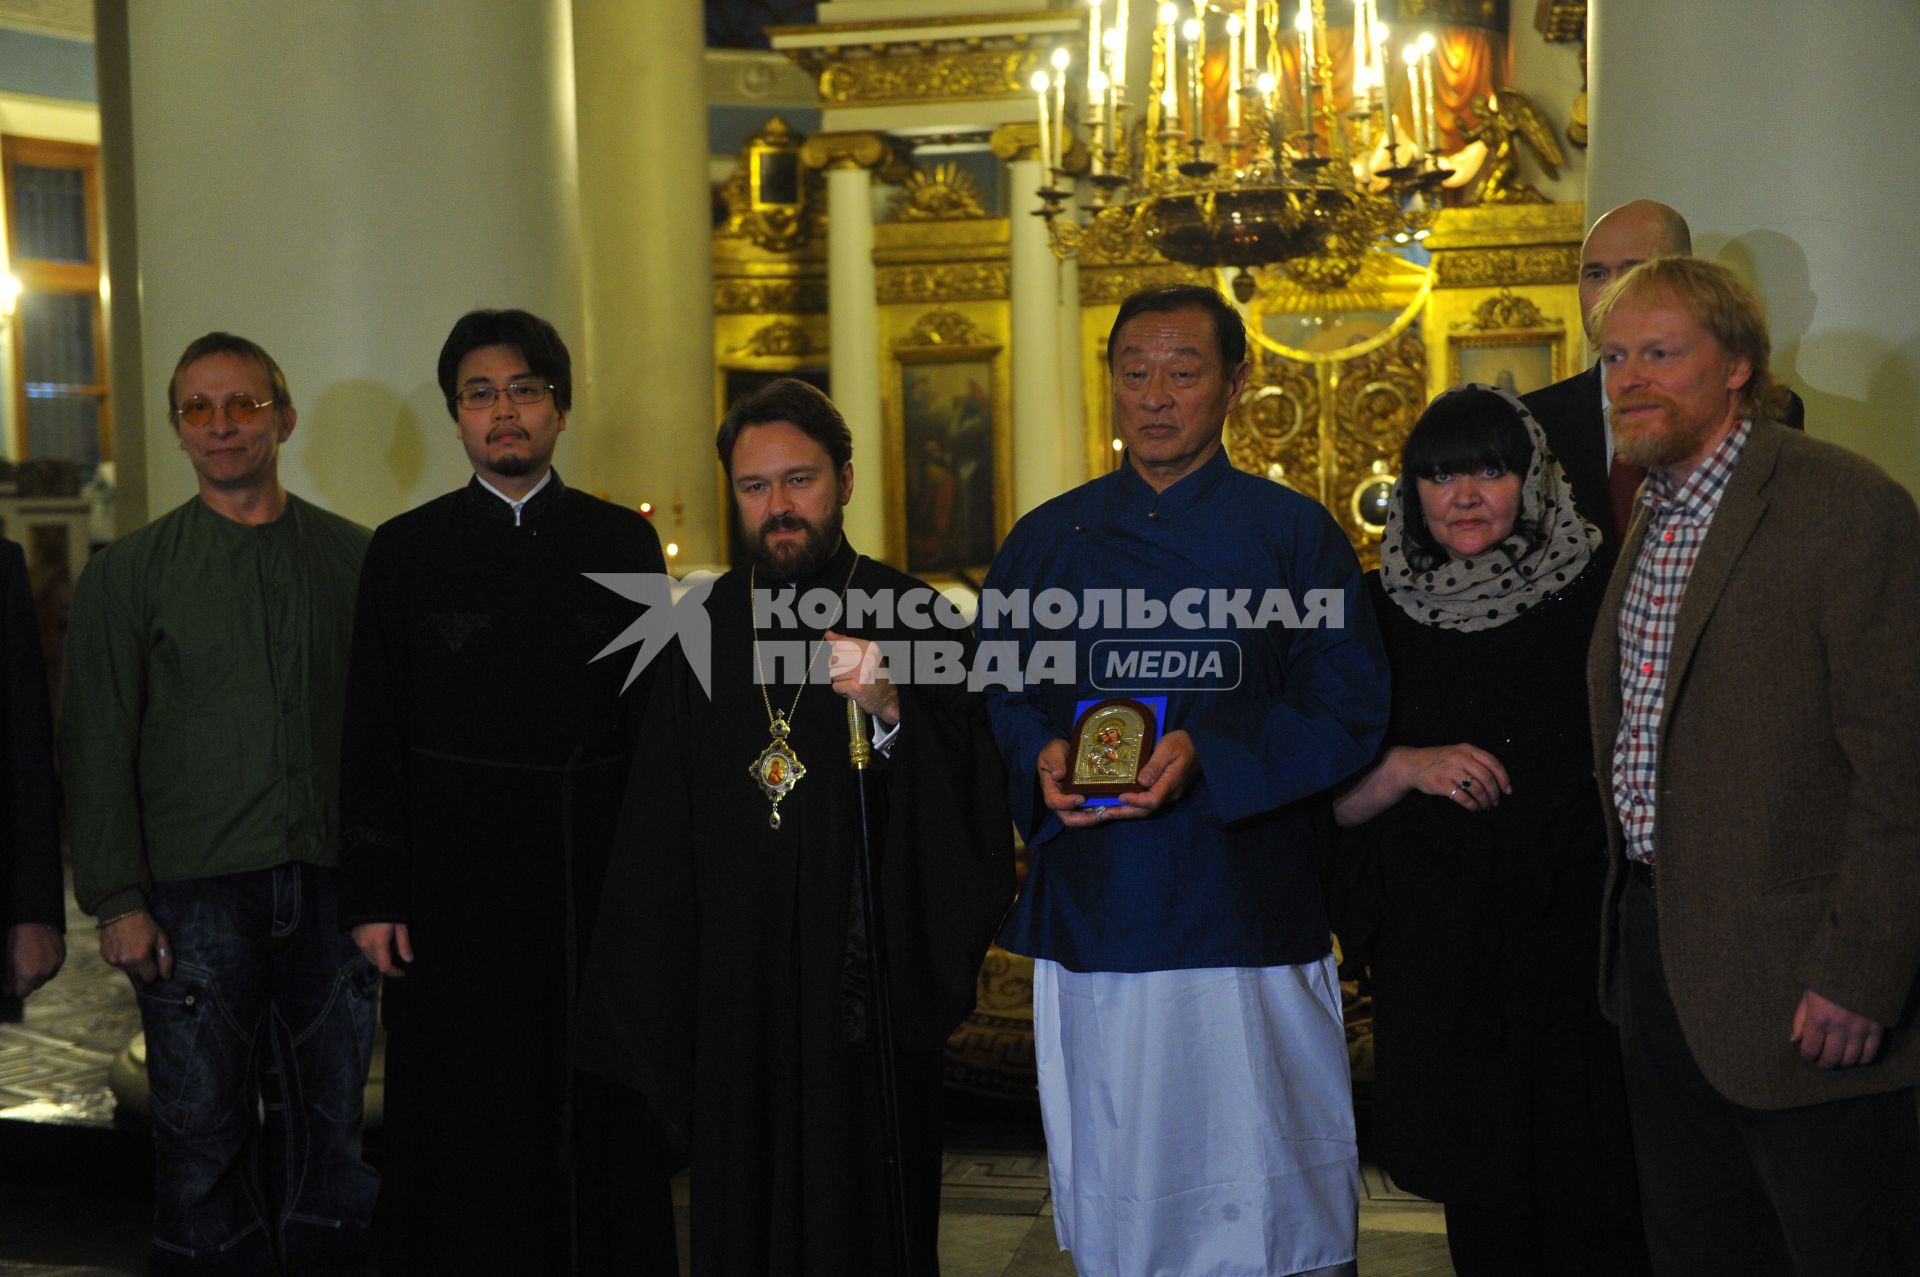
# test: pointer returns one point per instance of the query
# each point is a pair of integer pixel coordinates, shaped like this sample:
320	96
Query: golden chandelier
1285	180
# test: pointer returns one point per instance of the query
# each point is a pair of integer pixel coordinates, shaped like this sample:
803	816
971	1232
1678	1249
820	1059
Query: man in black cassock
728	978
485	761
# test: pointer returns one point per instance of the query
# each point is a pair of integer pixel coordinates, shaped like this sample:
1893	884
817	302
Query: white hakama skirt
1199	1123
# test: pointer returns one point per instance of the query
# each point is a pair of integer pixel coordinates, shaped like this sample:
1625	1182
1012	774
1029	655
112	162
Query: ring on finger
1466	782
1454	792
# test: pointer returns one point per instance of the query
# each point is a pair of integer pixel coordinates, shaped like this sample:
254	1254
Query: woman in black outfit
1473	858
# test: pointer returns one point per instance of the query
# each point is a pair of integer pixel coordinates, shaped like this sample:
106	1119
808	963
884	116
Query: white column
1792	180
853	320
1039	435
394	165
648	270
1073	385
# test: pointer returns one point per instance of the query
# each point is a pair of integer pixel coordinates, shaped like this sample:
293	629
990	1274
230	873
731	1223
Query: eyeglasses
240	409
520	392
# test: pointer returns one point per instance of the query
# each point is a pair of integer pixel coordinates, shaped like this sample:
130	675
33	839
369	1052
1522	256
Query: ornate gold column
1041	440
853	329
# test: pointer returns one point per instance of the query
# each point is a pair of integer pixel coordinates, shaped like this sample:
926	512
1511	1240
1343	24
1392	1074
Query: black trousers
1823	1189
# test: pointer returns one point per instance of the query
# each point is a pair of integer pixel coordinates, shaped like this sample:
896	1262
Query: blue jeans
257	1056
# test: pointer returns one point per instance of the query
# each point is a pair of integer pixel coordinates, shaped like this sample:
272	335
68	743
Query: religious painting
946	430
1517	366
1508	343
947	478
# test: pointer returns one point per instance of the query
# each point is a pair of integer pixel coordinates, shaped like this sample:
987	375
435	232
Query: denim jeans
257	1056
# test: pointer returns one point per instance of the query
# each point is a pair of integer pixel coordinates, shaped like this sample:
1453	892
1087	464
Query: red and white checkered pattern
1677	526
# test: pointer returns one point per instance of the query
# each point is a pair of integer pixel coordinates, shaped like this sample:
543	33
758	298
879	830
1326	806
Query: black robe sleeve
29	801
374	754
946	875
637	1006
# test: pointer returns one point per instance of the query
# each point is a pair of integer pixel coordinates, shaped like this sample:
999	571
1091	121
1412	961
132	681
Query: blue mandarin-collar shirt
1229	875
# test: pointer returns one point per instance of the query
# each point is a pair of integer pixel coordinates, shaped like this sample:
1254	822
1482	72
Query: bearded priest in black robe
485	760
728	977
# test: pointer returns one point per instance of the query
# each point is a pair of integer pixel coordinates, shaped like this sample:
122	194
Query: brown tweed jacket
1787	809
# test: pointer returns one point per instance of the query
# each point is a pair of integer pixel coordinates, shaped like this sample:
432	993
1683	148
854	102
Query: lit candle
1251	25
1041	83
1096	103
1169	67
1233	73
1062	59
1362	53
1305	25
1117	42
1411	56
1426	75
1093	43
1192	33
1386	89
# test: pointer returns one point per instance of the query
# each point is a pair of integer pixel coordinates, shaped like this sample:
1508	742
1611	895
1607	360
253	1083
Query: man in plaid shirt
1755	681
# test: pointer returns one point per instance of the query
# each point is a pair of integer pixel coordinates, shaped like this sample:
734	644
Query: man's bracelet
120	917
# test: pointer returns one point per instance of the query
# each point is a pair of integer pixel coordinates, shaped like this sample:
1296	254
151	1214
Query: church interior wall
381	176
342	259
1784	142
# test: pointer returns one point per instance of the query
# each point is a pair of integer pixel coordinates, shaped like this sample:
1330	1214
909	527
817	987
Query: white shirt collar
521	503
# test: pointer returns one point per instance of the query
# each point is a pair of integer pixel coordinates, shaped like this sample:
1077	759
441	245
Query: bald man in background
1573	412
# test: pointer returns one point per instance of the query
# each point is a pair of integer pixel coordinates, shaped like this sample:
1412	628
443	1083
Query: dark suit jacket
1569	413
30	887
1787	808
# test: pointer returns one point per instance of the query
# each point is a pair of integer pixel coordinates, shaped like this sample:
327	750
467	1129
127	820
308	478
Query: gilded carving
846	150
1375	403
776	227
770	296
1111	239
962	282
946	329
943	194
1561	21
1110	286
991	1053
926	74
777	340
1485	267
1503	122
1276	429
1503	311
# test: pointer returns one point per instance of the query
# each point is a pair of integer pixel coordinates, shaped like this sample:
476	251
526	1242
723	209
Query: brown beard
1672	441
797	562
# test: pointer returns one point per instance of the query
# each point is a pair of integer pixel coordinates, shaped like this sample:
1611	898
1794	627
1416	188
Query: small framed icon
1112	740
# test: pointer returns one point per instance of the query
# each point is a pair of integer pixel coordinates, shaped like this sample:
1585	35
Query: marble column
648	268
1040	438
853	318
393	166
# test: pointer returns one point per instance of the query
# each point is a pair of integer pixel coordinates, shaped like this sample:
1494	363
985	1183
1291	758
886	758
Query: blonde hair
1719	302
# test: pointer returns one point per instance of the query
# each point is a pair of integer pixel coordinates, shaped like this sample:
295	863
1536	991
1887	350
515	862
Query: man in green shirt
206	671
